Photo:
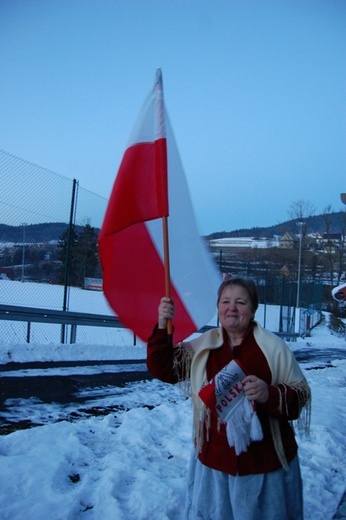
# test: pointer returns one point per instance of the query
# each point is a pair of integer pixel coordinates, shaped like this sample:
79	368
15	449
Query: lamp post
24	224
300	225
343	200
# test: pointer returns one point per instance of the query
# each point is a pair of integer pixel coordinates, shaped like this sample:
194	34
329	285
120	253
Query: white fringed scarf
192	359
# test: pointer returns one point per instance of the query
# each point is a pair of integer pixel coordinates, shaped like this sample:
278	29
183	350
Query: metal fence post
68	254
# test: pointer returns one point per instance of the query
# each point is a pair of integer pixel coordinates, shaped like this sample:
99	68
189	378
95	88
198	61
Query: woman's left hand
255	389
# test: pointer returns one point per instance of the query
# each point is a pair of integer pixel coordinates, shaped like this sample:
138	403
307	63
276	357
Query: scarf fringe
304	397
182	358
303	392
302	423
243	427
201	423
183	355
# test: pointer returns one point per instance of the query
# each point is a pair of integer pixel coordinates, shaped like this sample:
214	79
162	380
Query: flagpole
161	132
167	273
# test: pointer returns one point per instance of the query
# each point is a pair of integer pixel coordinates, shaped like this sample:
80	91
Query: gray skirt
214	495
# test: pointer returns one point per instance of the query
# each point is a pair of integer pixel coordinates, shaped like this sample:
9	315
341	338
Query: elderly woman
246	387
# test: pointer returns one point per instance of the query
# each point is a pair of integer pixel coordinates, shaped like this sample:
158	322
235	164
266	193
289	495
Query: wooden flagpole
167	273
161	132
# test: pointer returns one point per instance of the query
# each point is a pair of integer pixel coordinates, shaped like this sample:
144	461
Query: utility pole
343	200
300	225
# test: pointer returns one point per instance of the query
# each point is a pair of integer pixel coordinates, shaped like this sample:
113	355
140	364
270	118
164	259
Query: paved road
319	357
72	388
71	384
64	388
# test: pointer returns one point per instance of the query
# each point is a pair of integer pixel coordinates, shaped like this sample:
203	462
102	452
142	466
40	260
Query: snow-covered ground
132	465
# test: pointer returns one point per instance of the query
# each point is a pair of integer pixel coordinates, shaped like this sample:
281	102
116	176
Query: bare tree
301	210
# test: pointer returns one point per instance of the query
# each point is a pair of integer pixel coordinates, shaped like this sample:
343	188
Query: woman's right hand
166	312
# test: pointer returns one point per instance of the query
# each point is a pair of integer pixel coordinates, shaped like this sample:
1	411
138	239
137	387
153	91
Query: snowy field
132	465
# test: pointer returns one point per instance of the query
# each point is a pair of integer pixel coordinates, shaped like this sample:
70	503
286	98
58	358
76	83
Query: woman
246	387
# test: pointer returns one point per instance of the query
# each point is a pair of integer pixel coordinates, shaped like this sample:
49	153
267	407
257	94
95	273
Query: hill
33	233
315	224
51	231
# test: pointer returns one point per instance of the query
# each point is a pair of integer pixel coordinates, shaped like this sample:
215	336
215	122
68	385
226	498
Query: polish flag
150	184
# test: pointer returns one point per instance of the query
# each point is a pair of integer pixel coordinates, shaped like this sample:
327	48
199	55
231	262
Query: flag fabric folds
150	184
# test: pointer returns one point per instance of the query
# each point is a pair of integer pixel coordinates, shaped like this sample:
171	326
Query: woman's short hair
247	284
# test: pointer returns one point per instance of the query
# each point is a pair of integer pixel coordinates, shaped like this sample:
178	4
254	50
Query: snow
252	242
131	464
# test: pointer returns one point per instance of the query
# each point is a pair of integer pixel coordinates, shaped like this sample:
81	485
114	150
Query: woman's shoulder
261	334
210	339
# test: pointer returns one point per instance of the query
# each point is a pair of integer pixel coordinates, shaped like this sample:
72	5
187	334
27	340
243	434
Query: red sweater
216	452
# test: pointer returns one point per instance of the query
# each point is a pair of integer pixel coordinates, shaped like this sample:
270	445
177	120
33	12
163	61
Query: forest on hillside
332	222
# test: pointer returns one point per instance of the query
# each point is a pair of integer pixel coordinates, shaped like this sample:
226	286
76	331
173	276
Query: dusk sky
255	91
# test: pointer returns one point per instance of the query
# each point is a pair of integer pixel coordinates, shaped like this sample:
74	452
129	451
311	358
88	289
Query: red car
339	293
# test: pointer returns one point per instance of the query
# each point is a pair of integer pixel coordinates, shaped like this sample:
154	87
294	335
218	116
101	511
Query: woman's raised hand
166	311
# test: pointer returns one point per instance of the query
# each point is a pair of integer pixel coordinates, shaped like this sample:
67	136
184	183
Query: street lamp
300	225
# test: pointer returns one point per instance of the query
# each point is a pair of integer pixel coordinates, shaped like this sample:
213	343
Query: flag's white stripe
150	123
160	127
193	272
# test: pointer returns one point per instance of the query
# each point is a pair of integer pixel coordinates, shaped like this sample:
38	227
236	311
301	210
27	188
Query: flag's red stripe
161	177
135	293
140	189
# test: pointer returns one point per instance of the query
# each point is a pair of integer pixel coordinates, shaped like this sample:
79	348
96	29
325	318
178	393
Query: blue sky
255	90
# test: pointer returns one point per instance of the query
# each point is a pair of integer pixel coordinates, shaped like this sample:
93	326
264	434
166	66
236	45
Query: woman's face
234	307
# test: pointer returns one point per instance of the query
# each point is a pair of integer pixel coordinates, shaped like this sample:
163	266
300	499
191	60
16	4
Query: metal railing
63	318
75	319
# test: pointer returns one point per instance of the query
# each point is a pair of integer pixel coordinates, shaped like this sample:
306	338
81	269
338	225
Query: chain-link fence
282	292
38	210
48	253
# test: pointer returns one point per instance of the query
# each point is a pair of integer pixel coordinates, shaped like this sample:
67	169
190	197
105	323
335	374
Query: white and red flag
151	186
